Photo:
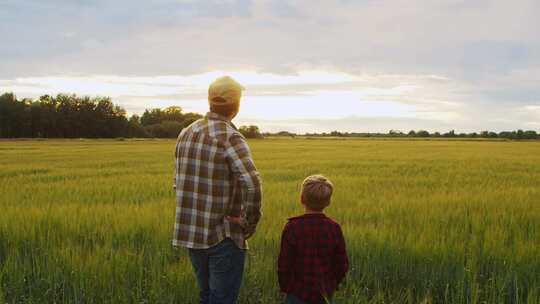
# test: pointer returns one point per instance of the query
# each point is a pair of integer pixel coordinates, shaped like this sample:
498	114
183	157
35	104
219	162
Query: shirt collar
309	215
216	116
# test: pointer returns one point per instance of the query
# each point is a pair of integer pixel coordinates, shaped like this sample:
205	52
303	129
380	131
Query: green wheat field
90	221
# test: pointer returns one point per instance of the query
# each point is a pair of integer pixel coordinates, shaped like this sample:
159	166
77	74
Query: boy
313	259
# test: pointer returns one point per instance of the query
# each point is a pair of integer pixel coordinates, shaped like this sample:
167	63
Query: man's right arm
175	164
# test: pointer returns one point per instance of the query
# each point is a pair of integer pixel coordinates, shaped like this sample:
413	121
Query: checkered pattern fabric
313	258
215	177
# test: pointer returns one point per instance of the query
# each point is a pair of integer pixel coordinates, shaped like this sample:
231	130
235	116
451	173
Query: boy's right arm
342	260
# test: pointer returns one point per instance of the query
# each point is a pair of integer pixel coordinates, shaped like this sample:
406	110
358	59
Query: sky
308	66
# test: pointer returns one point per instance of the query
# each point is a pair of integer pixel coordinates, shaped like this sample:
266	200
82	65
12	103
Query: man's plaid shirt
215	177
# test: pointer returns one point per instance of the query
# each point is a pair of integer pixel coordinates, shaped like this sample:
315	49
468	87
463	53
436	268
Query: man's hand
249	234
241	221
238	220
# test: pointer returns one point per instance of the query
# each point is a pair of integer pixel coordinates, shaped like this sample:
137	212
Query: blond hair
316	192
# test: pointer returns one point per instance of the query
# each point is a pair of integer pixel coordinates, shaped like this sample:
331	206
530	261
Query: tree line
518	134
72	116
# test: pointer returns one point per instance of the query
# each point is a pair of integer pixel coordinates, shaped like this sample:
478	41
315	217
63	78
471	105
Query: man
218	194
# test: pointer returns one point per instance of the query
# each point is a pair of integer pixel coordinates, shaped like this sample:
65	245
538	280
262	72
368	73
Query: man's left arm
243	168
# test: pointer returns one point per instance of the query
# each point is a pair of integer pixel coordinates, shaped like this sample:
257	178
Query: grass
425	221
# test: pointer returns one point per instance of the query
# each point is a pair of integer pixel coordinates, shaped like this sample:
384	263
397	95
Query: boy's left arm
285	260
342	260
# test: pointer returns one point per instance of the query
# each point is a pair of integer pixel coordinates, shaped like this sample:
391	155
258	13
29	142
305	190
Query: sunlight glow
305	95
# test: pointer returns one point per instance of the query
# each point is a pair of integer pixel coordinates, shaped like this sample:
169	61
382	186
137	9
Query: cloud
185	37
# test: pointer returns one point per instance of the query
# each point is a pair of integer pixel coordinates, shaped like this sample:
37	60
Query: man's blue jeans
219	271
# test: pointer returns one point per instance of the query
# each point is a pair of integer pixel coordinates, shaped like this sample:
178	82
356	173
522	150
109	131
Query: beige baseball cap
225	91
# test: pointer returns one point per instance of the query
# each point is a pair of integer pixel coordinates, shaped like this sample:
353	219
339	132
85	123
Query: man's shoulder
194	127
224	130
214	128
221	133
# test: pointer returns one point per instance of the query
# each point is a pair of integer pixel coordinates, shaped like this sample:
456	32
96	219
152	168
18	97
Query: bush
250	131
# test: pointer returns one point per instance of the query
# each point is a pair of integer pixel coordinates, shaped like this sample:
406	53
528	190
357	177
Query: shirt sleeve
285	260
175	164
342	260
243	168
